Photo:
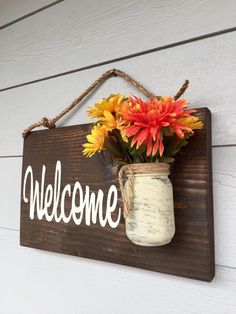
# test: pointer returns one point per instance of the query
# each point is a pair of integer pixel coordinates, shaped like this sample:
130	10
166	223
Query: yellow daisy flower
95	141
190	122
108	121
121	126
111	104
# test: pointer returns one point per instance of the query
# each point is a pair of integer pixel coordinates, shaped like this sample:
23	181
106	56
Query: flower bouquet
143	136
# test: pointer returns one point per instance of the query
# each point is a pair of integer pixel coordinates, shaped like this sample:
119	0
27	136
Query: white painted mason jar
150	220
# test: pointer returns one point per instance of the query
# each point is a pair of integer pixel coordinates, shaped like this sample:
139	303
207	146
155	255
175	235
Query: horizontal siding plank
10	193
56	283
224	183
224	196
15	9
70	35
210	65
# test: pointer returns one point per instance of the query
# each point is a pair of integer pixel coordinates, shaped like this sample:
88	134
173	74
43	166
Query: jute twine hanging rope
127	191
51	123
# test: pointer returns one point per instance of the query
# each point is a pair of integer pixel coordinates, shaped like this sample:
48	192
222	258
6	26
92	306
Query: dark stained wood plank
191	252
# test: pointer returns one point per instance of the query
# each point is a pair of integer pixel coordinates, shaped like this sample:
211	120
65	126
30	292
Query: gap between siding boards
187	41
30	14
13	156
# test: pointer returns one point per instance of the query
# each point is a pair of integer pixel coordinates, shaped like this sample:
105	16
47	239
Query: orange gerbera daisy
149	119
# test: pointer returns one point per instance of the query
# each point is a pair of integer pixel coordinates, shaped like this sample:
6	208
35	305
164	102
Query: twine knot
48	123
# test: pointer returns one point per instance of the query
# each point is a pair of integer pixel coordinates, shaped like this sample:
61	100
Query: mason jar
150	220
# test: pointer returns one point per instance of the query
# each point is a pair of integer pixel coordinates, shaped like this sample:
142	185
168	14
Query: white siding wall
160	43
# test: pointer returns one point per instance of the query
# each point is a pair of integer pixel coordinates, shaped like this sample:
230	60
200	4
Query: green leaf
173	144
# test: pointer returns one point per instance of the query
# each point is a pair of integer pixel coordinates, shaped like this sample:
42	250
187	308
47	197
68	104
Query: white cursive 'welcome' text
89	205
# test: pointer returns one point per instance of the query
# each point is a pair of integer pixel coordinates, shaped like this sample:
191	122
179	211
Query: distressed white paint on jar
151	221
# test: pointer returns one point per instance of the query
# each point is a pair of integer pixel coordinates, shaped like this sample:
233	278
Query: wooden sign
72	204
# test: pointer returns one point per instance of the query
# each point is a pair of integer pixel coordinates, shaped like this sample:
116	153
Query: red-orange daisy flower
148	119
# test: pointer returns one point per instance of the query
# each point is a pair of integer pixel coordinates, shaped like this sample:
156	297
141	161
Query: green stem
129	158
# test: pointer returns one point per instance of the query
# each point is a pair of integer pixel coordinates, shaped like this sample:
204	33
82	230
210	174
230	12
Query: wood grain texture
191	252
13	10
67	283
74	34
200	62
224	187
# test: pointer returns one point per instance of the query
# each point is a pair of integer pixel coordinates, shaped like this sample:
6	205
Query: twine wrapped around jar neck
159	168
